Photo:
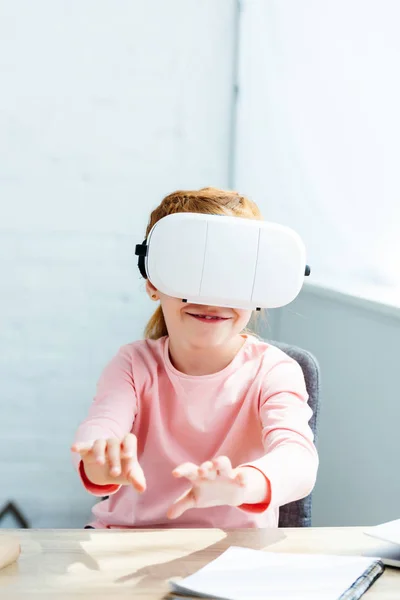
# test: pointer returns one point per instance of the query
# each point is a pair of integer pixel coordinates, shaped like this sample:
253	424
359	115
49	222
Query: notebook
247	574
388	546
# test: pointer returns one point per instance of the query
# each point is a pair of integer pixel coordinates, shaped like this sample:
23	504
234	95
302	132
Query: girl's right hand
112	461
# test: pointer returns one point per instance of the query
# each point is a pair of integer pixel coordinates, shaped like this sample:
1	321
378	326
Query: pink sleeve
290	463
113	409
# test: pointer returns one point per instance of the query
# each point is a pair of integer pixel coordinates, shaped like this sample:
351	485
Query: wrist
257	486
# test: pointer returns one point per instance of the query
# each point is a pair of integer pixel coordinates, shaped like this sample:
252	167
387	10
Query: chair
298	514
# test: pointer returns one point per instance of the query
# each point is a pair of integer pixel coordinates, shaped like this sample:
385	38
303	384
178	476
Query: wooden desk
70	564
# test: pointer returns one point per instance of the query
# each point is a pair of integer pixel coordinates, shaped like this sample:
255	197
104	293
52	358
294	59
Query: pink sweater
254	411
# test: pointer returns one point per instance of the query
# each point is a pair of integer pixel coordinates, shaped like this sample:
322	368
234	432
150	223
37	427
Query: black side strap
141	252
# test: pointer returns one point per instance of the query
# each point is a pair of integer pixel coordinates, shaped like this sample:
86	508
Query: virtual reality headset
219	260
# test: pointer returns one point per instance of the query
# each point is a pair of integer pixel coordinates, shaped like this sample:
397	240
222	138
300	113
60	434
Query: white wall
317	147
356	343
318	129
105	107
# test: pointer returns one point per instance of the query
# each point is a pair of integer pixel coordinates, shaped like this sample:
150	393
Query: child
200	424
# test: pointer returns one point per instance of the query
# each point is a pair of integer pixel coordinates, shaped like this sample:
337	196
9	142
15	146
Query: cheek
243	318
171	308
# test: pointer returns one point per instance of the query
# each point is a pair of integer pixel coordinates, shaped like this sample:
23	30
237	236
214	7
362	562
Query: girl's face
199	326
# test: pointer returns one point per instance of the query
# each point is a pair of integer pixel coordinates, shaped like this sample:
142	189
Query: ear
152	292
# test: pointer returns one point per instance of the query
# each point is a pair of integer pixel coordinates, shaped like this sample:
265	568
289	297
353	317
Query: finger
207	470
129	446
80	447
114	456
84	453
136	476
223	466
99	448
240	479
181	505
189	470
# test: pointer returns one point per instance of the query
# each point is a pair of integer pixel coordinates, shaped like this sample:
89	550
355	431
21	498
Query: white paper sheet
246	574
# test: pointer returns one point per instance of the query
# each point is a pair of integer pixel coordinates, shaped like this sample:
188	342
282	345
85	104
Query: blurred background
106	107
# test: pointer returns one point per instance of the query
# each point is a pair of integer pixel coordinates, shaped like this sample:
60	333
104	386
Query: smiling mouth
208	318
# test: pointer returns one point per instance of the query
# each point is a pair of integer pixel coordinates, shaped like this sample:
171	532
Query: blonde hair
210	201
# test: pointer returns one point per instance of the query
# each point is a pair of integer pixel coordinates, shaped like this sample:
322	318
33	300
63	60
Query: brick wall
105	107
70	301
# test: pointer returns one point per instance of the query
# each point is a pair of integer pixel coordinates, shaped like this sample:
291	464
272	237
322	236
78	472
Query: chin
211	340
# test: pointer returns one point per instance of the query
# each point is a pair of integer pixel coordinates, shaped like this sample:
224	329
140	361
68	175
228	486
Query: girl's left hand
214	483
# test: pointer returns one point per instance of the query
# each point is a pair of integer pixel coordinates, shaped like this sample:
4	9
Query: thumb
136	476
134	471
182	504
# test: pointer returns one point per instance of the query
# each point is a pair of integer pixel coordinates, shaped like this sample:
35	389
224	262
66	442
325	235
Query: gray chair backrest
298	514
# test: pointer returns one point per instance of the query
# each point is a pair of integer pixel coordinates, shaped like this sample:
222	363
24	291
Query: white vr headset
224	261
